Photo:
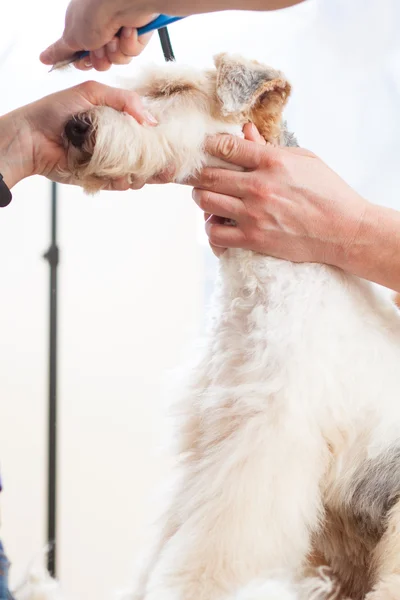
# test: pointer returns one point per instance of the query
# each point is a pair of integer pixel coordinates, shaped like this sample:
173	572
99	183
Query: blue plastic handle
161	21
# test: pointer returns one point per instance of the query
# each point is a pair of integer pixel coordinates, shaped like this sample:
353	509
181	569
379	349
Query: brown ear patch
240	82
245	86
266	113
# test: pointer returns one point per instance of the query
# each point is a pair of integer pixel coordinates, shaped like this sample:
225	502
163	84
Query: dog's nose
76	131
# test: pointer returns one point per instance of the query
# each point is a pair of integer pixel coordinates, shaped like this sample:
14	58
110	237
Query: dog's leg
168	528
248	508
386	561
168	525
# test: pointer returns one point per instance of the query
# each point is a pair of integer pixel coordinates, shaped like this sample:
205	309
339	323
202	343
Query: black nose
76	131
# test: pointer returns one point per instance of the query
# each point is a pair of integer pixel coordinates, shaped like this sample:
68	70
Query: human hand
31	136
287	203
92	26
251	133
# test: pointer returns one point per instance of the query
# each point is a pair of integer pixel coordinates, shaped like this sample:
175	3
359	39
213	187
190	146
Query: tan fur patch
267	112
386	557
340	546
171	89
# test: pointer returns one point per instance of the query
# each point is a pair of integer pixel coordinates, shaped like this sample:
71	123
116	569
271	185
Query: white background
135	271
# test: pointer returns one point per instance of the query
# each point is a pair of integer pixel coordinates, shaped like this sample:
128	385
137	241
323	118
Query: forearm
190	7
15	160
375	253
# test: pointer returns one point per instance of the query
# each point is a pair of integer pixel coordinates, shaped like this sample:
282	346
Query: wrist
190	7
374	253
351	252
341	239
124	13
16	160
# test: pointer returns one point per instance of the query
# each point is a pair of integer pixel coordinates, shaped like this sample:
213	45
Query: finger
167	175
252	134
77	37
216	249
137	184
218	204
60	50
224	236
99	59
85	64
121	100
222	181
131	44
237	151
114	54
121	184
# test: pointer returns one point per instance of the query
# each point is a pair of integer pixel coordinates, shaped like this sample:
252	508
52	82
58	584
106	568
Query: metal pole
52	256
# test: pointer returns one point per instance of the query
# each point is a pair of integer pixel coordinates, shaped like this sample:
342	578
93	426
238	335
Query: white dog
290	427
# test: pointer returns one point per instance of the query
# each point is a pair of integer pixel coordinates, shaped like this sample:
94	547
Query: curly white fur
289	428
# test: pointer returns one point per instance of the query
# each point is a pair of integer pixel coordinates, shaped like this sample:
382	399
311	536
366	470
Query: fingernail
112	46
127	32
99	53
149	118
88	64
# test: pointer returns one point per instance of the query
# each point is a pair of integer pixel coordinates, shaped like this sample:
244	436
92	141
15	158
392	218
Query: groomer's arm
191	7
92	24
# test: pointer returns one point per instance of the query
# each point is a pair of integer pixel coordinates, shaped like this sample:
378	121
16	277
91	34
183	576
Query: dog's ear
245	86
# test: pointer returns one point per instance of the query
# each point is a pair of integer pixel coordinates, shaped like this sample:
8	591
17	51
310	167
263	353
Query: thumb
236	151
252	134
58	51
126	101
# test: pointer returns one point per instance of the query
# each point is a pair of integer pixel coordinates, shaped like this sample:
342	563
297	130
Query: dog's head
187	103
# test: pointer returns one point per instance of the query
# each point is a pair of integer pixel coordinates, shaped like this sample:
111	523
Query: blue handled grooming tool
159	23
